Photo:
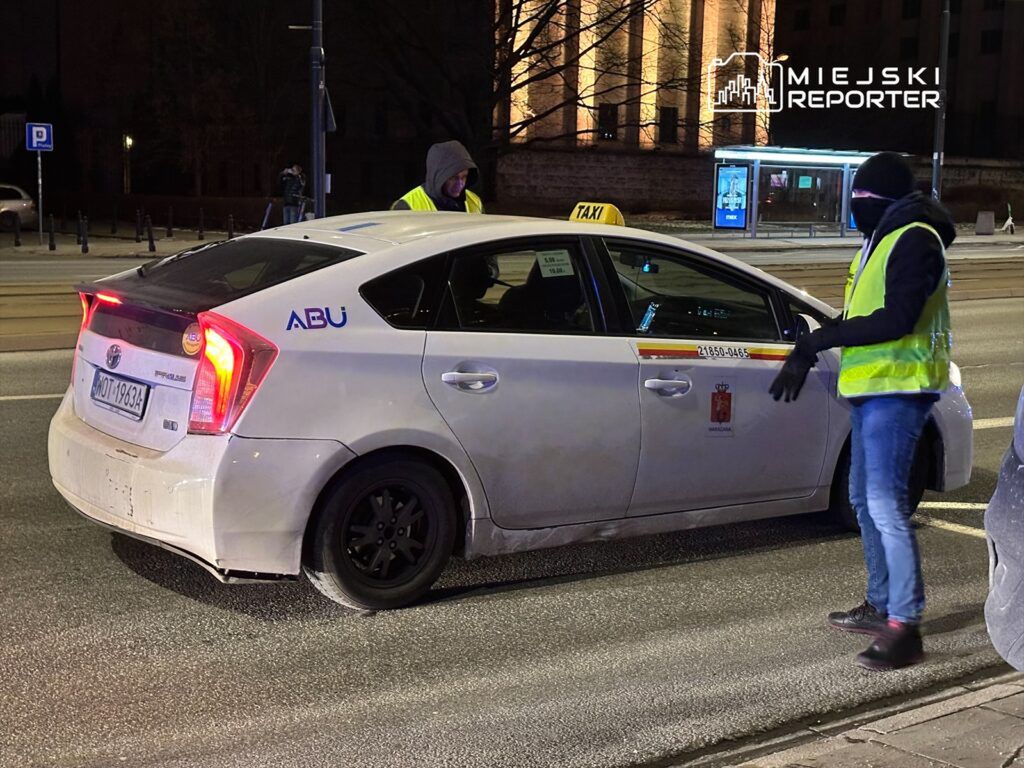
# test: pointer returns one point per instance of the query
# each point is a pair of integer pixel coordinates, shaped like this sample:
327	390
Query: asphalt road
622	653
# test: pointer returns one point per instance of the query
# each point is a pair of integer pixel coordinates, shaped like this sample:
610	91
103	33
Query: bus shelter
784	186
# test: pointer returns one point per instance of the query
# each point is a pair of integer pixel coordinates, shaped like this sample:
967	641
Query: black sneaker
863	619
899	645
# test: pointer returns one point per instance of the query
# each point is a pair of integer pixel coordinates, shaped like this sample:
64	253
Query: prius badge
113	356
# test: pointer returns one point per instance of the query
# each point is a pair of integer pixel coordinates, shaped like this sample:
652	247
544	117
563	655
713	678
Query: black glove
794	371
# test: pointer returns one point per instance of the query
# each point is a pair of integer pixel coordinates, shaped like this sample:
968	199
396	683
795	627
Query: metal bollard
199	234
53	241
149	233
17	230
231	226
266	215
138	226
170	221
78	230
85	234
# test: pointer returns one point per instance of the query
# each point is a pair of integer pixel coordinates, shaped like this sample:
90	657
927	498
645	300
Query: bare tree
550	62
563	58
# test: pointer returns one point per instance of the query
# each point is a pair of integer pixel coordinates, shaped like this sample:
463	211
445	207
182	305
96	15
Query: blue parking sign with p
39	137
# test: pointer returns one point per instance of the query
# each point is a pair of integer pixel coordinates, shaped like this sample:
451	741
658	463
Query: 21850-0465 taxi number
123	395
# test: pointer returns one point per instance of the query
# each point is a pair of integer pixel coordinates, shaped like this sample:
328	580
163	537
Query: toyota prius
360	398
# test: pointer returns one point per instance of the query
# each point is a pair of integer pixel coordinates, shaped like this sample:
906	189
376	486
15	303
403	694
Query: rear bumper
236	506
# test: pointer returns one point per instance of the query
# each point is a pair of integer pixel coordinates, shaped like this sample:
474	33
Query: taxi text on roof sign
597	213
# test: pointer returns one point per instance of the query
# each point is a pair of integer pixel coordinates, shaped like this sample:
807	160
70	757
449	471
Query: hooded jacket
912	274
445	160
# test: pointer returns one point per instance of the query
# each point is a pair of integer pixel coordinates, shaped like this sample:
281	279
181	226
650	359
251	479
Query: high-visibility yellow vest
917	362
418	200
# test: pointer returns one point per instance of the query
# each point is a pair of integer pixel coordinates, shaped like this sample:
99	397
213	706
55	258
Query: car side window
535	288
408	297
7	193
672	297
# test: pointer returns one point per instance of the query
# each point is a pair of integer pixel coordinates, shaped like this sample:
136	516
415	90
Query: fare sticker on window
555	263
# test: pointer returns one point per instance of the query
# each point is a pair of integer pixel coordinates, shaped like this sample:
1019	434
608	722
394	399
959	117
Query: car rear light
87	306
232	364
108	298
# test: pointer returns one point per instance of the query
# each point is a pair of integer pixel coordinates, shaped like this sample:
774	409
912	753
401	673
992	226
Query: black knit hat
886	174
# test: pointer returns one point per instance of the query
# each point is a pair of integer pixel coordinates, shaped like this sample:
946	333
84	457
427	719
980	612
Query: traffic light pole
317	136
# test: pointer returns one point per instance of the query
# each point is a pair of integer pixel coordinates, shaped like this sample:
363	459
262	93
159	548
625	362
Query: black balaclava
886	174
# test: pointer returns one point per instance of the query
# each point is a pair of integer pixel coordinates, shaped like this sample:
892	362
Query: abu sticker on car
315	318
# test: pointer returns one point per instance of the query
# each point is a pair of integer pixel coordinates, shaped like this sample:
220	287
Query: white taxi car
361	397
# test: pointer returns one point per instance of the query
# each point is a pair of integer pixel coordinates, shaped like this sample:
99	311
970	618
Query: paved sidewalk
980	725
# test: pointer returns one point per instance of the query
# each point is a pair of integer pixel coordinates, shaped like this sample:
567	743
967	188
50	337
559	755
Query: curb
784	746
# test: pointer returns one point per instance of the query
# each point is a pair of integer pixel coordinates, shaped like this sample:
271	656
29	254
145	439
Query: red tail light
108	298
232	364
87	304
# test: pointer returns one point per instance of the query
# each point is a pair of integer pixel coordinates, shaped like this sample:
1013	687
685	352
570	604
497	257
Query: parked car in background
16	203
1004	524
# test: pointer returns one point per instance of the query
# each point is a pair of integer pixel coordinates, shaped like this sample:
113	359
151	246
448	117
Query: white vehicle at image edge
361	397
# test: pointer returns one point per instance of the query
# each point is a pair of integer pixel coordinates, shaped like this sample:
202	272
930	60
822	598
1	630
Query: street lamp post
940	113
317	137
127	181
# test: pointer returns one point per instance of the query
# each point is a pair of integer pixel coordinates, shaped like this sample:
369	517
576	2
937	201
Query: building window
837	15
954	44
608	122
802	18
911	9
908	49
668	125
991	41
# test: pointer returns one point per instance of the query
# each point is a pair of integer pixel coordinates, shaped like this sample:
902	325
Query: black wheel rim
387	537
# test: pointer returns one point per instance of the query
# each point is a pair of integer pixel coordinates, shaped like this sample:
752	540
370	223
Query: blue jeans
291	214
885	434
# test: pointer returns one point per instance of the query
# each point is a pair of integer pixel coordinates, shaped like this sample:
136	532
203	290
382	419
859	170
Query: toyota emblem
113	356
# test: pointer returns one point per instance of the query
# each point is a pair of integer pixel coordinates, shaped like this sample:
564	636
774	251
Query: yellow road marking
993	423
32	397
945	525
953	505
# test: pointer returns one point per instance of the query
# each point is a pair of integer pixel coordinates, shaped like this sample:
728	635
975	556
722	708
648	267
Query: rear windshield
209	275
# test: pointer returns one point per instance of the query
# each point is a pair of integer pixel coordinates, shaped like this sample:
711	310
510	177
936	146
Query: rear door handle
472	381
668	386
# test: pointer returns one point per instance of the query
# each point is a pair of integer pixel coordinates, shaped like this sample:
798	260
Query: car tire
382	534
842	510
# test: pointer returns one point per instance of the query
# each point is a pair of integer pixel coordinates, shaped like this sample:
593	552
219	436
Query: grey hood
445	160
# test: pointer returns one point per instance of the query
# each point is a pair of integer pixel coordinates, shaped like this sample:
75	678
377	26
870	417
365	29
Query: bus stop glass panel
795	195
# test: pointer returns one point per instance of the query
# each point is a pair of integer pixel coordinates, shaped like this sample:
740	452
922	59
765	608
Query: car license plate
121	394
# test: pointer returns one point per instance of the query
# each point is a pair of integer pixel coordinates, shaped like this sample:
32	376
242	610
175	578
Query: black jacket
915	267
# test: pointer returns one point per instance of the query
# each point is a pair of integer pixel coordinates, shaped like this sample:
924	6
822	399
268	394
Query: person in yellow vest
450	171
895	339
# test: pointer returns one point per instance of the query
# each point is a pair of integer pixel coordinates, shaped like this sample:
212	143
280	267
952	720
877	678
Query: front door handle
472	381
668	386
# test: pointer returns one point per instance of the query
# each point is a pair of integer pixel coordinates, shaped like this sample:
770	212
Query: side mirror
801	325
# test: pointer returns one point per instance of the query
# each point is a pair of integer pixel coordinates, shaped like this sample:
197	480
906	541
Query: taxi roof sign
597	213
